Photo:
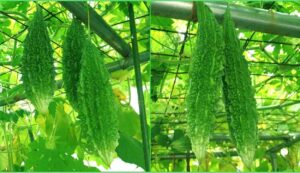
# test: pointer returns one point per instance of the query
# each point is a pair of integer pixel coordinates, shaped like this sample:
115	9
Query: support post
273	158
139	84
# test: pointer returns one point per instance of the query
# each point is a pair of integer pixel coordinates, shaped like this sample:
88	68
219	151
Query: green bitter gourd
240	103
204	80
72	52
37	67
97	107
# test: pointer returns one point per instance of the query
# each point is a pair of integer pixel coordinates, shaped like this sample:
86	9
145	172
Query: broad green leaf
129	122
131	150
161	22
264	166
3	161
61	131
41	159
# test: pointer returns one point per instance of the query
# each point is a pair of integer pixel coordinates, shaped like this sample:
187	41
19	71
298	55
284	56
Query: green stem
10	161
129	90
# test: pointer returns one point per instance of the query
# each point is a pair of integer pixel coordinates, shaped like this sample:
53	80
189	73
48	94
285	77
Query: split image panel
195	99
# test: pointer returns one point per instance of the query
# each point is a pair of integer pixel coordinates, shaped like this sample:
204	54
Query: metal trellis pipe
139	84
250	18
124	64
293	138
191	155
88	15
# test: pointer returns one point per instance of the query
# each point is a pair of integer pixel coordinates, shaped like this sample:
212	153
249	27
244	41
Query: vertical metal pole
273	161
139	84
188	160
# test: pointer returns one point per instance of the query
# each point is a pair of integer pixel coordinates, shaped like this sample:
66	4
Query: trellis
88	15
264	21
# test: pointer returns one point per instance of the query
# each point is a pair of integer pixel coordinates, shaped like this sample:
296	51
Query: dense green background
274	65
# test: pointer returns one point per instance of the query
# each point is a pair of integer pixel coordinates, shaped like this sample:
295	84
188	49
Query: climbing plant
53	139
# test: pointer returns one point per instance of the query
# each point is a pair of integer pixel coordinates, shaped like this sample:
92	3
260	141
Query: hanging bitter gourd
204	80
72	52
97	107
37	67
240	103
157	78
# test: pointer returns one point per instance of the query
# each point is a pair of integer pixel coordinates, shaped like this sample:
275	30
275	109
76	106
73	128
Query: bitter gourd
240	103
157	78
38	65
72	52
205	74
97	107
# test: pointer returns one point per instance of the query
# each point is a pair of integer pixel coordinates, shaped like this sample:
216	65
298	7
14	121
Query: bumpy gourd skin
38	65
72	52
240	103
204	80
97	107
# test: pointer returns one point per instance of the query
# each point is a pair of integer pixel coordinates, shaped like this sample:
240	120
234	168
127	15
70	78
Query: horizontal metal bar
82	11
262	137
250	18
293	138
124	64
18	94
242	39
191	155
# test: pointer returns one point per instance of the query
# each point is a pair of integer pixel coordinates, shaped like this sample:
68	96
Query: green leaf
62	129
146	73
13	116
3	161
161	22
155	130
9	5
178	133
225	166
282	164
263	166
1	38
131	150
5	23
23	6
7	30
179	166
260	153
129	122
42	159
16	60
54	104
163	140
182	144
